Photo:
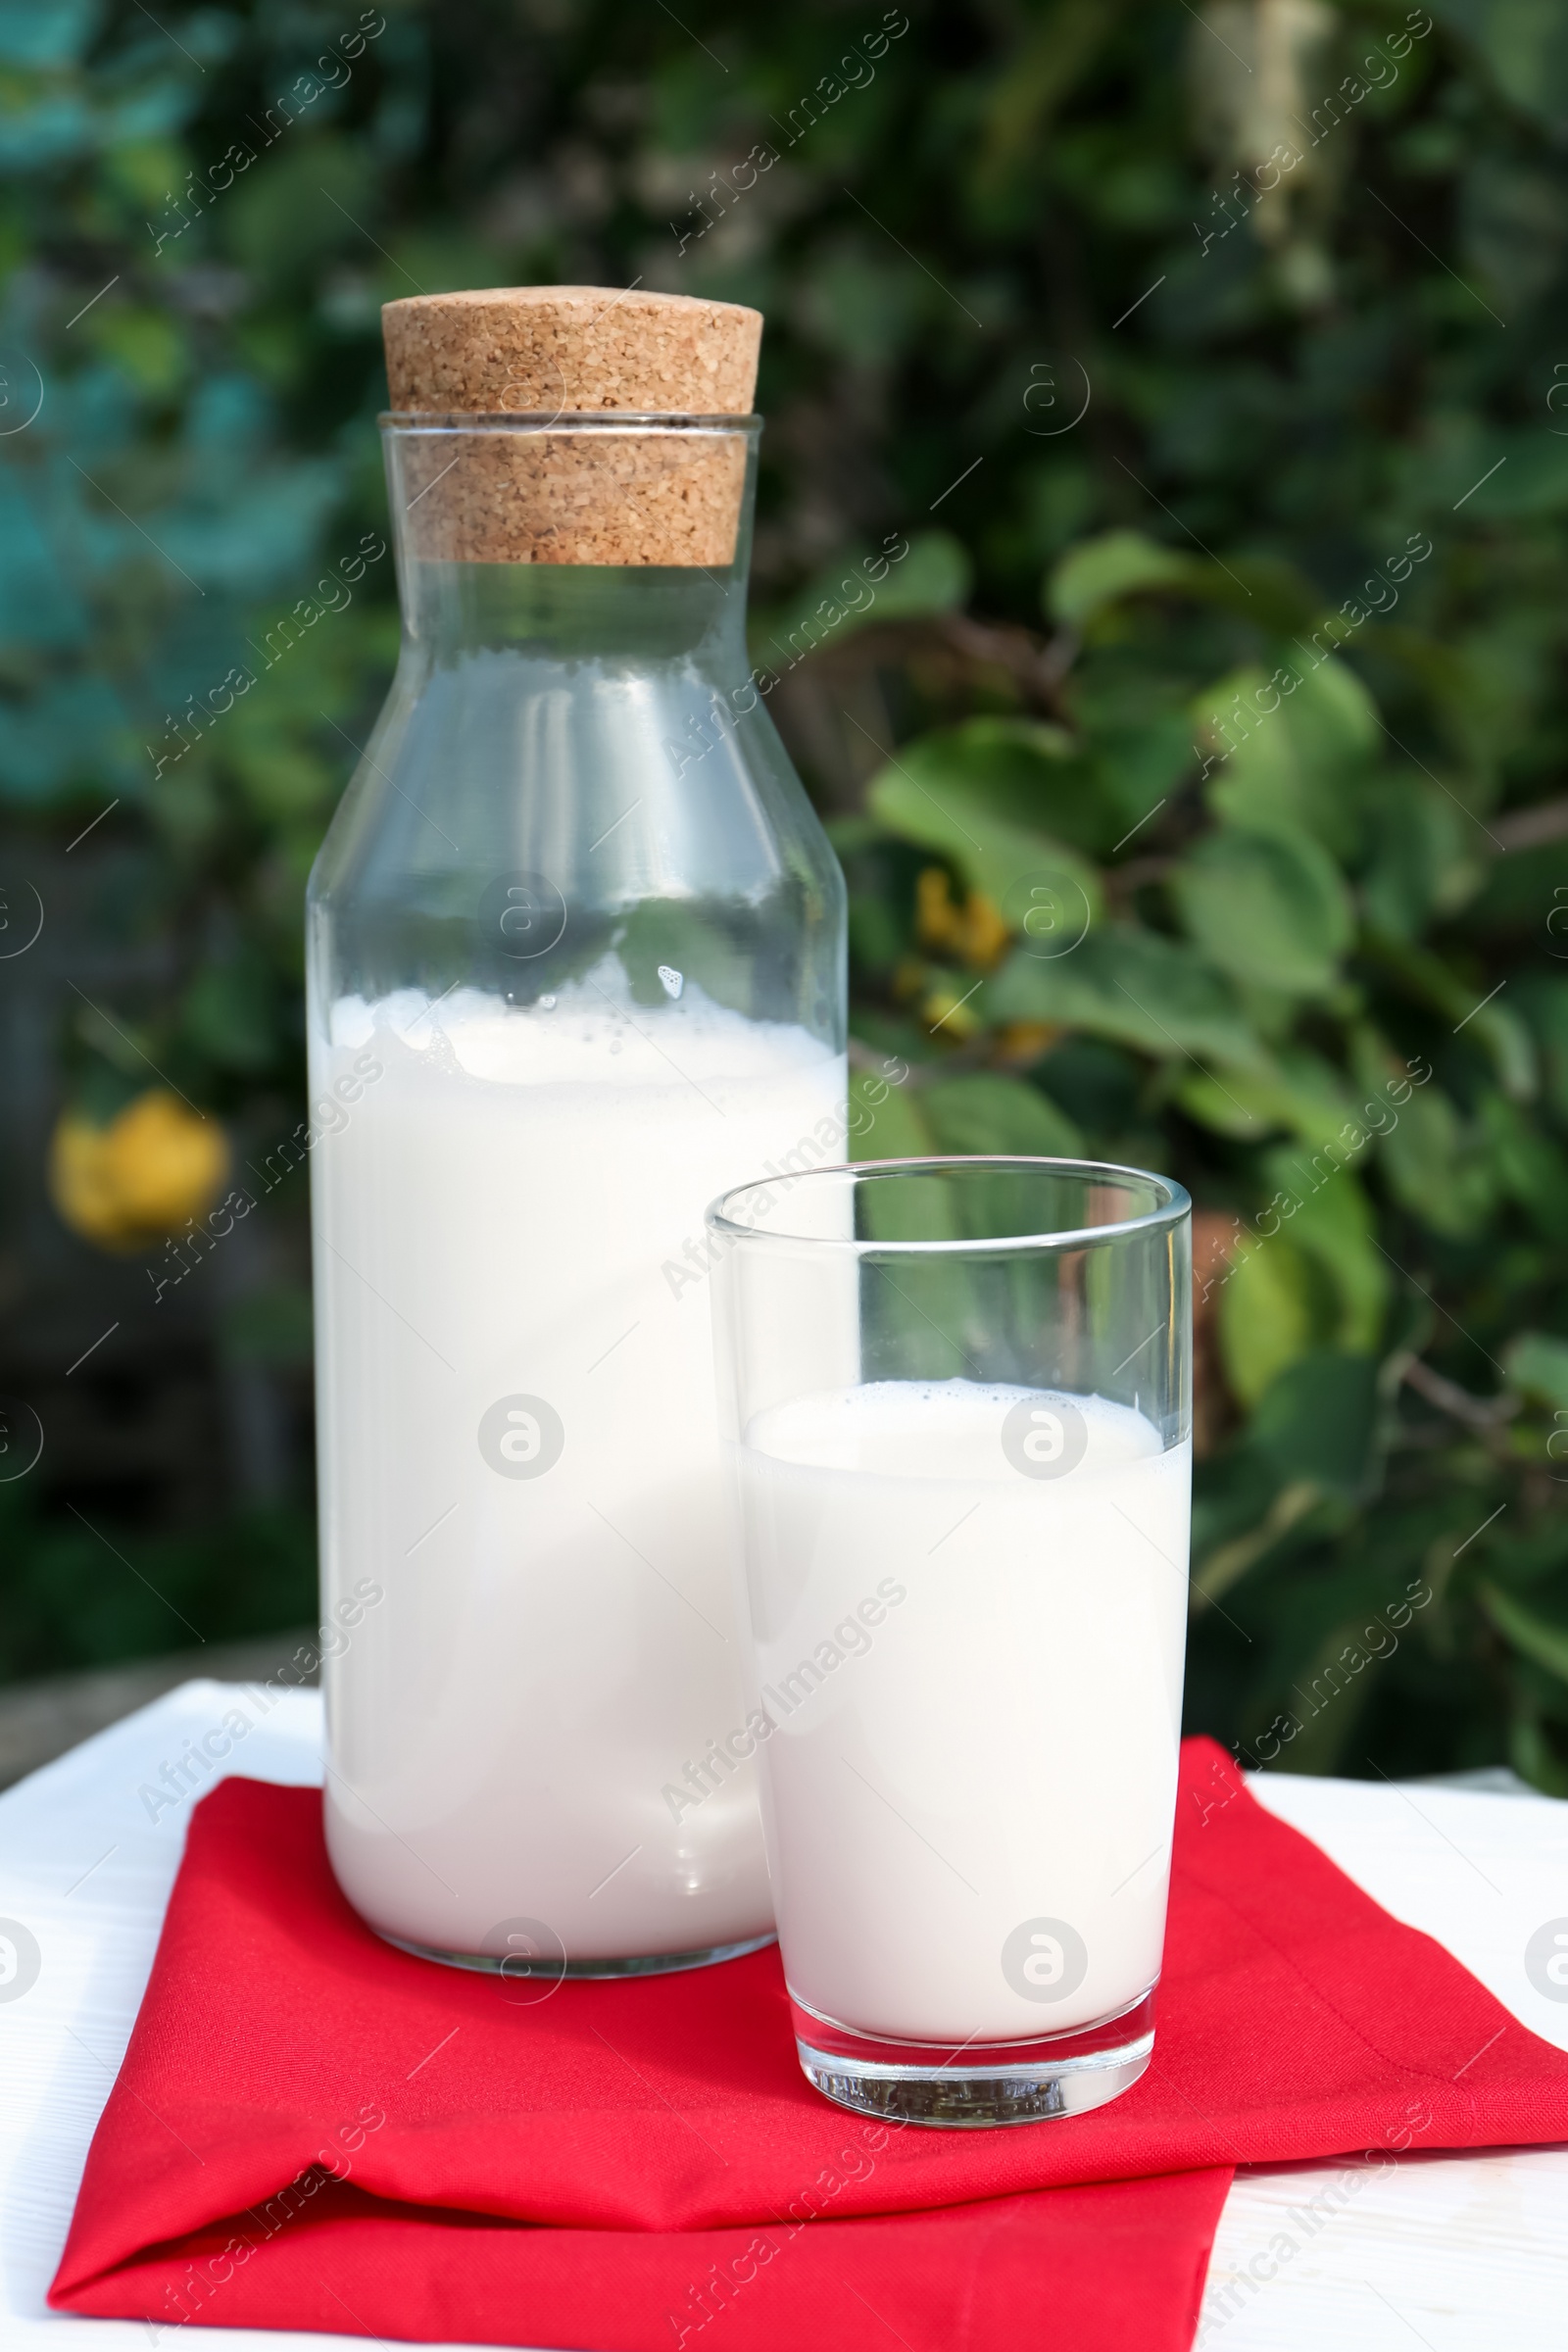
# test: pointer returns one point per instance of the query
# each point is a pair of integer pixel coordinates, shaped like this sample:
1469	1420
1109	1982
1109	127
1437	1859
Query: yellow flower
986	934
128	1184
1020	1044
946	1012
975	932
937	921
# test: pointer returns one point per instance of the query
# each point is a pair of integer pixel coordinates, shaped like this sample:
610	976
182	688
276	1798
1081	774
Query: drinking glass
956	1405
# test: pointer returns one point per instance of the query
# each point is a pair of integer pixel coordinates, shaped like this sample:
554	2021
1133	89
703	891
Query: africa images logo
1546	1959
522	915
522	1437
528	1957
19	1959
1045	1435
1044	1959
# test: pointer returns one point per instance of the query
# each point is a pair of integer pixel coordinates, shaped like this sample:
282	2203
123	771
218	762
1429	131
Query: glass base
972	2085
556	1971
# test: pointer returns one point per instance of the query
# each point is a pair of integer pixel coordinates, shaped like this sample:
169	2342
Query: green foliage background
1301	266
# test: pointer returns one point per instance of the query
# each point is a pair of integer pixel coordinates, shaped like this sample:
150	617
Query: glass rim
641	421
1168	1214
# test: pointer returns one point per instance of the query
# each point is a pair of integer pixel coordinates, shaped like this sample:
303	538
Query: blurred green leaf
270	1327
933	576
231	1013
1331	1220
56	36
1133	986
1537	1637
1265	906
1292	1089
1542	1000
1525	45
1529	1166
1423	858
1136	769
987	1112
1318	1420
153	348
1537	1366
984	795
1102	572
1270	1314
1436	1166
296	205
886	1123
1299	766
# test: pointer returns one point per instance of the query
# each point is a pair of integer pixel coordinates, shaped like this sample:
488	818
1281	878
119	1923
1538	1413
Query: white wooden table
1462	2254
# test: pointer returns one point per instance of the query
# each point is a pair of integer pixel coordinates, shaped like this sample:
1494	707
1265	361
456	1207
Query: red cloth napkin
313	2130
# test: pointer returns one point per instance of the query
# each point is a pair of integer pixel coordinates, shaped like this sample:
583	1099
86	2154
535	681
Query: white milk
515	1211
975	1678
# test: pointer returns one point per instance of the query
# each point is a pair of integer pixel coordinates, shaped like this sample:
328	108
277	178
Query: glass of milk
957	1409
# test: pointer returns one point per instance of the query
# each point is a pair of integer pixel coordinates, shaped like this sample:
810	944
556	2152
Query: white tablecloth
1459	2253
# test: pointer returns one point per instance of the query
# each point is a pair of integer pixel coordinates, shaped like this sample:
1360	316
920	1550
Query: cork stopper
533	349
526	495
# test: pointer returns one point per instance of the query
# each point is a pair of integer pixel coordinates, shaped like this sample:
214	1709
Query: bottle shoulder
612	778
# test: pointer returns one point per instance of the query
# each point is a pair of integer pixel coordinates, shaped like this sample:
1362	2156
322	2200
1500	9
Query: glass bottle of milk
575	965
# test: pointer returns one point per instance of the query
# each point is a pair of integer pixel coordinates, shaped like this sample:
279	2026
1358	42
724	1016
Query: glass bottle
575	965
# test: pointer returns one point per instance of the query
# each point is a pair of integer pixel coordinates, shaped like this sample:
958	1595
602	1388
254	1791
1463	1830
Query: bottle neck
625	614
606	537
